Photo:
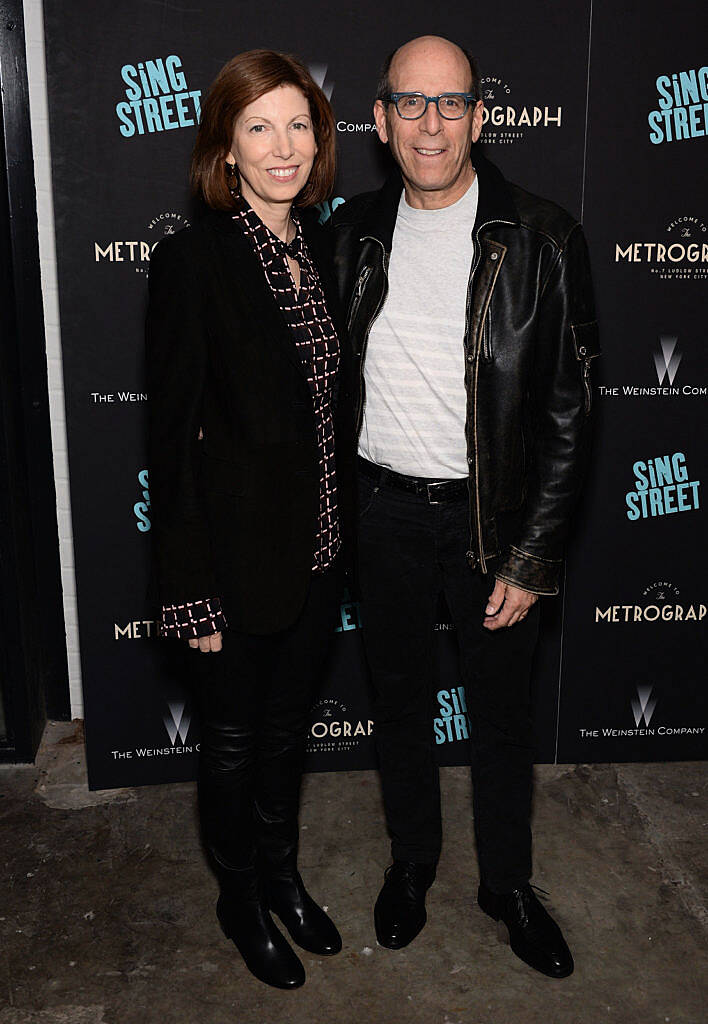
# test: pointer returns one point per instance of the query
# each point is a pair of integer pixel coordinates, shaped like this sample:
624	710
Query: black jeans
255	697
409	552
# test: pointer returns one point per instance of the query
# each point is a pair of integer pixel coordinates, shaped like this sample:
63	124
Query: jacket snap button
470	558
470	359
494	256
582	350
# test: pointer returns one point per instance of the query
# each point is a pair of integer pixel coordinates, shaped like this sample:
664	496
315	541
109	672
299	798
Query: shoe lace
405	873
402	870
524	899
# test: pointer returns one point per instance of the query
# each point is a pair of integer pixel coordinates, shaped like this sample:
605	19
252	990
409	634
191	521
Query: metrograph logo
135	253
506	120
334	730
661	603
679	253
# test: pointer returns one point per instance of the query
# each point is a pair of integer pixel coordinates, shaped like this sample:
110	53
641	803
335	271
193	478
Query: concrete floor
107	913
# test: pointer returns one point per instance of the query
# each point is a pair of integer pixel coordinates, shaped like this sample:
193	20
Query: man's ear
477	117
380	119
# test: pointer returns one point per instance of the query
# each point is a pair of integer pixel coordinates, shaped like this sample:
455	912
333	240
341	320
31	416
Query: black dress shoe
245	919
533	934
307	922
399	914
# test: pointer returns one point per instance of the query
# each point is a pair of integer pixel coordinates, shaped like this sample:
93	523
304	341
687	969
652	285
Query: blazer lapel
243	274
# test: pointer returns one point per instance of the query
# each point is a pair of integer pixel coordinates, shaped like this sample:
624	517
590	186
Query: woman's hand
207	643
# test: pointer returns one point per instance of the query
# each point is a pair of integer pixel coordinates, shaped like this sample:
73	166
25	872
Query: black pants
255	697
409	552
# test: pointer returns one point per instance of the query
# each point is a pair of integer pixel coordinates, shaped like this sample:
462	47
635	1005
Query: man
471	317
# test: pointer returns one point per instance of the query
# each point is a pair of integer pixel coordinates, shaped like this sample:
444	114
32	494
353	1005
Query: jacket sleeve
176	365
194	619
561	406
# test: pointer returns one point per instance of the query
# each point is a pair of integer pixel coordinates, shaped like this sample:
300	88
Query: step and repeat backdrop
601	106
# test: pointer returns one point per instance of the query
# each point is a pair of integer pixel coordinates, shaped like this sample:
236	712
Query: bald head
407	68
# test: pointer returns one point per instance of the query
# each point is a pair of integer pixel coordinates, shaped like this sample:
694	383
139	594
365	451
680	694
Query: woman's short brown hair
246	77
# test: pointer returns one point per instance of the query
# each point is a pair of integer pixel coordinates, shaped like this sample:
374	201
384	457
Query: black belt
434	491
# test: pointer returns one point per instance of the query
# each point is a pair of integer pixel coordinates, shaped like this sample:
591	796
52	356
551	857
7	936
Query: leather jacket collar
496	202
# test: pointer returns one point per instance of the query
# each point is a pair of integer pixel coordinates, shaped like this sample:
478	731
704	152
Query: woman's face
273	146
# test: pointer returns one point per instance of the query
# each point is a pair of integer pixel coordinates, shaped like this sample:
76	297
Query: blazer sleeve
176	355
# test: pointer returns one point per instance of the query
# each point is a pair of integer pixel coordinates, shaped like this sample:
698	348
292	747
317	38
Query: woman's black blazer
235	514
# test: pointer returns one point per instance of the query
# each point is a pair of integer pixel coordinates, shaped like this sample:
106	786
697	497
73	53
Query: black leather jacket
530	337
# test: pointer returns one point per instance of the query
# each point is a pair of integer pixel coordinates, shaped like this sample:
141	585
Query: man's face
432	151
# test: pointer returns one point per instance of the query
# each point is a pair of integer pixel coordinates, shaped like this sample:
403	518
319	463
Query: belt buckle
428	487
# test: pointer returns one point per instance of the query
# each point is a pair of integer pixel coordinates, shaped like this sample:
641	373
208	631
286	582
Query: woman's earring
232	180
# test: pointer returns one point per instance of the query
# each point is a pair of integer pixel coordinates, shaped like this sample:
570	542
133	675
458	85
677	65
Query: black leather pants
255	698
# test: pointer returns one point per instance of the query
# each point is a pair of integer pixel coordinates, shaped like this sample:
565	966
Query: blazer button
471	560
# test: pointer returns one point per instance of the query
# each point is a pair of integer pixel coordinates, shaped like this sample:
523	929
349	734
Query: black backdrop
582	108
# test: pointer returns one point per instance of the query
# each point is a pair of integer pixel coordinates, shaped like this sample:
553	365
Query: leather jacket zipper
587	384
477	503
379	306
358	292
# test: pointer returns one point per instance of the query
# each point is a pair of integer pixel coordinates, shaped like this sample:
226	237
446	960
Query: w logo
176	722
319	73
667	361
643	706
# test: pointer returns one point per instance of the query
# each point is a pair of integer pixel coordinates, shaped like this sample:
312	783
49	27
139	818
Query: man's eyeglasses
412	105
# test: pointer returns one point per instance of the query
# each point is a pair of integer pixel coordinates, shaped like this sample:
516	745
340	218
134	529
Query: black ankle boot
307	922
533	934
399	914
277	841
244	917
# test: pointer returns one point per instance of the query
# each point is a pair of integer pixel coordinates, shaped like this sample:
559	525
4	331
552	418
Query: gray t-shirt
414	371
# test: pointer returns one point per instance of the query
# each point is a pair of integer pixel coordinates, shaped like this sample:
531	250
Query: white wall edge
39	116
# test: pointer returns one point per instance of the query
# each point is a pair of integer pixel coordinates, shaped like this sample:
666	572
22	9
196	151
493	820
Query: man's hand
207	643
506	606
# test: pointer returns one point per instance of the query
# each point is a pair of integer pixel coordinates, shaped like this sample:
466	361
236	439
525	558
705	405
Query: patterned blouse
315	338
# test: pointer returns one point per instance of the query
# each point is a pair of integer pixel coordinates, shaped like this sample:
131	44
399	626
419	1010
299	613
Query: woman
247	395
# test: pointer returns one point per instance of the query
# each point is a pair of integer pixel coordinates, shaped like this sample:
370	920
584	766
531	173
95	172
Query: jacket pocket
357	294
587	347
487	350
